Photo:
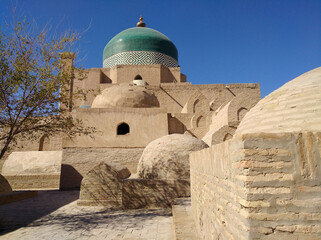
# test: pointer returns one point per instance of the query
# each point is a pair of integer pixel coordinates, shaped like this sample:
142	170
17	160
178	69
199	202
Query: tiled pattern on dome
139	58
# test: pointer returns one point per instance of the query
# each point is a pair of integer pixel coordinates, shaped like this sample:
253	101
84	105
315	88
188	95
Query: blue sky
220	41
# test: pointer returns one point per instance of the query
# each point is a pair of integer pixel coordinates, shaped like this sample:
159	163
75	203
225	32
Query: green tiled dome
140	40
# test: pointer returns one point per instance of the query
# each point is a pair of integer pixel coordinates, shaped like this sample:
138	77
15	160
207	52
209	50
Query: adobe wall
33	170
98	78
145	126
76	162
153	74
258	186
168	84
226	119
127	73
40	143
174	96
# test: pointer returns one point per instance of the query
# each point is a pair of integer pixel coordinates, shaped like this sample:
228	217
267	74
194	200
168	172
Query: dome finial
141	23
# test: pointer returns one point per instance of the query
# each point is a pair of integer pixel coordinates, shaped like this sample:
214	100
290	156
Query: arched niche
196	106
241	113
43	143
227	137
201	121
196	103
138	77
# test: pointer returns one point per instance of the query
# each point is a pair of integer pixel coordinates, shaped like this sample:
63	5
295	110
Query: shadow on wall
70	178
5	187
102	186
22	213
153	193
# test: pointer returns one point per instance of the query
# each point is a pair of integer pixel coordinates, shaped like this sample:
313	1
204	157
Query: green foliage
35	79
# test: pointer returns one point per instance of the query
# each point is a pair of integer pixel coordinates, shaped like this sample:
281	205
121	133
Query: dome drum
139	58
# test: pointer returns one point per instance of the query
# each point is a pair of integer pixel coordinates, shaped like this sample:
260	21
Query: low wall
102	186
108	185
33	170
152	193
258	186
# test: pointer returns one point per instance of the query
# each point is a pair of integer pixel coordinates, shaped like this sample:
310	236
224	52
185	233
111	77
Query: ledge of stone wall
34	182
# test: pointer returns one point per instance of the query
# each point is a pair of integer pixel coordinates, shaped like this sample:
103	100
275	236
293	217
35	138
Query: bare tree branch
35	98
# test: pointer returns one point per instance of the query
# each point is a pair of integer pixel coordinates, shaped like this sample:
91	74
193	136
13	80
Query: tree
34	85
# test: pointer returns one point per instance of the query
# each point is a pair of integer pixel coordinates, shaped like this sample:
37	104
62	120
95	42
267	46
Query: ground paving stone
184	226
56	215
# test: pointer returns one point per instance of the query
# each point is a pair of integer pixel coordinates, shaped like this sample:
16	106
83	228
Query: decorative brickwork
139	58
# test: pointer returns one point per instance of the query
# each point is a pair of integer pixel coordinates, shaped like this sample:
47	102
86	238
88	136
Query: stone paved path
55	215
182	219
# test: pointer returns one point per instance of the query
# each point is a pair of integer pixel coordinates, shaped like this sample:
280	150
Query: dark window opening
138	77
123	129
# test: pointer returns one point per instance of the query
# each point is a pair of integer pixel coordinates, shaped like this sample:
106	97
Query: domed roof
168	157
140	45
127	96
294	107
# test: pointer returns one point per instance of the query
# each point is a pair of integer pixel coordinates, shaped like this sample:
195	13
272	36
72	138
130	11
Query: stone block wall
258	186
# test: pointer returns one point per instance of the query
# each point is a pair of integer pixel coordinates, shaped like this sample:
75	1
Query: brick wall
258	186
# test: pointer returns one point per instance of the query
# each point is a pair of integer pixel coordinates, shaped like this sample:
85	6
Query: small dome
294	107
168	157
138	46
125	95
